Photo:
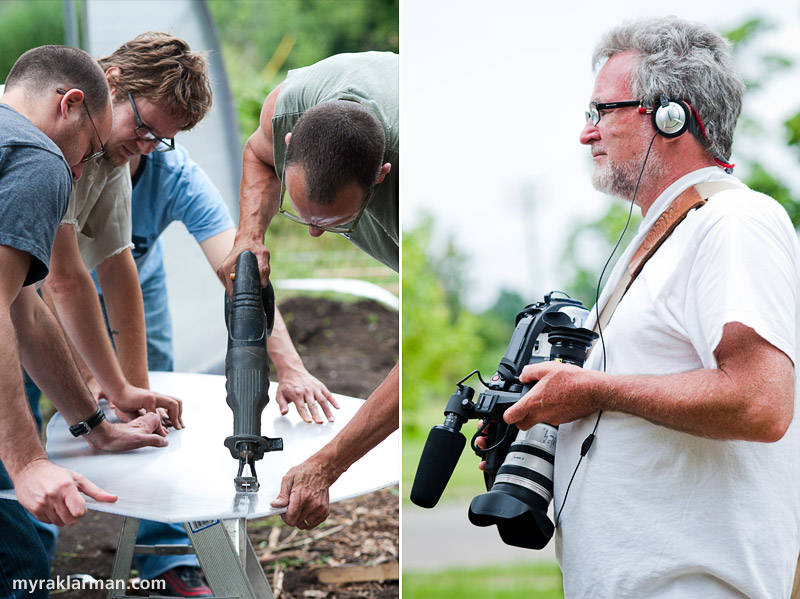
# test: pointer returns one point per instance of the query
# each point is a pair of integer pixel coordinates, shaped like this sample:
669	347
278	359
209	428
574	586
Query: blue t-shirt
35	185
169	187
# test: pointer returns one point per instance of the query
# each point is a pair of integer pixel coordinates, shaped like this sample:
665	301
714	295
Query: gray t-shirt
371	79
35	185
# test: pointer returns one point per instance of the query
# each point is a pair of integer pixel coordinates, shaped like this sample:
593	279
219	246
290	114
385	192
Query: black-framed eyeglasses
145	133
102	149
344	230
596	107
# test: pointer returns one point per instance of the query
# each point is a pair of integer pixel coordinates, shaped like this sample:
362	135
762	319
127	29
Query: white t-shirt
654	512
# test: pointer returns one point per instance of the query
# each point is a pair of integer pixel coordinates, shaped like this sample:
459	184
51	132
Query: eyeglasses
344	230
102	149
595	107
145	133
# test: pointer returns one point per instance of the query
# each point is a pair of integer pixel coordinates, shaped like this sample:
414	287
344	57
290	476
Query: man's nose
145	147
315	232
589	133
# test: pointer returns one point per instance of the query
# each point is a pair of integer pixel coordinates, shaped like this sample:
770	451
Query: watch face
79	429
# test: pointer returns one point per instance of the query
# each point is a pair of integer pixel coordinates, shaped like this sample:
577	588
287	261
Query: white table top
192	478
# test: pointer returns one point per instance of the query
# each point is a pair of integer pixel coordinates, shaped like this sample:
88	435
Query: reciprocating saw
249	316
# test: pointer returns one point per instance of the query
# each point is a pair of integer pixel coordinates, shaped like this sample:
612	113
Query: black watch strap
87	425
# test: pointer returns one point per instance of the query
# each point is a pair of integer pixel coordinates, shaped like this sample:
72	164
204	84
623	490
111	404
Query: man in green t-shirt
326	155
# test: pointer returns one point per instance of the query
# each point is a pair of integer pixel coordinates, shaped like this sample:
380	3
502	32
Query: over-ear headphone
671	119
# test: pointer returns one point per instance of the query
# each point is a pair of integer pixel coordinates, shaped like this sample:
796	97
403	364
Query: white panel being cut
192	478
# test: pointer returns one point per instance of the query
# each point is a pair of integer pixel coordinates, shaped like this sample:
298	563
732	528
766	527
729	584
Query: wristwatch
87	425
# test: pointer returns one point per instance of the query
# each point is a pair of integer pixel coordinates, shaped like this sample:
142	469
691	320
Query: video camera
519	464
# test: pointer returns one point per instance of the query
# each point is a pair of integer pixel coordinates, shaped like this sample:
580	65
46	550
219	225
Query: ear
70	102
288	137
384	171
112	73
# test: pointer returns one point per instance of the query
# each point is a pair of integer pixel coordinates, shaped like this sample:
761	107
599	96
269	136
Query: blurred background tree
26	25
262	41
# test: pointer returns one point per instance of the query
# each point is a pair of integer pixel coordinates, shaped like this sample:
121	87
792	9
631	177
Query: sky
492	102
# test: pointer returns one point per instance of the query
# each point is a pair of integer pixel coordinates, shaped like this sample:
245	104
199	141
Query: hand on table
308	394
144	431
304	493
132	402
53	494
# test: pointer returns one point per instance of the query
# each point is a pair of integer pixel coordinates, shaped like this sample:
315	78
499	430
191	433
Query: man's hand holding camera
562	393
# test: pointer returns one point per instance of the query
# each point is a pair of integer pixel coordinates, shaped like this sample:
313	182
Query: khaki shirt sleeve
106	229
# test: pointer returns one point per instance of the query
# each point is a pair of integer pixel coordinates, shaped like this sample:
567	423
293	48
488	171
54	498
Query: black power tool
249	316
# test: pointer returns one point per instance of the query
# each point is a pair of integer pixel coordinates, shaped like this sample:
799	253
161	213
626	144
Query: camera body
519	464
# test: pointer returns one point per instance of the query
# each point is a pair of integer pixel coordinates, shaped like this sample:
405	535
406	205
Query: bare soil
351	346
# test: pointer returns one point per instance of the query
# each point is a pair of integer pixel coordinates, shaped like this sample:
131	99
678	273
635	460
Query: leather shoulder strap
662	229
690	199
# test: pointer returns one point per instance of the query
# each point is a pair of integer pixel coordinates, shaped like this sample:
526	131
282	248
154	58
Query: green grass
531	581
294	254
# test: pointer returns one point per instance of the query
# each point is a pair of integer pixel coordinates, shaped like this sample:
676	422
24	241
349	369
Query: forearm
84	370
46	356
749	396
258	196
19	439
282	352
707	402
79	310
119	281
374	421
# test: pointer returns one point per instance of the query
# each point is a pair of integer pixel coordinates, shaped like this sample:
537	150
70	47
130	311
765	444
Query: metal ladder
223	549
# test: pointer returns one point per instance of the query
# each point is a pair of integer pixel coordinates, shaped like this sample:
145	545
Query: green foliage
765	182
26	24
263	40
530	579
440	346
747	31
792	126
768	64
602	235
495	327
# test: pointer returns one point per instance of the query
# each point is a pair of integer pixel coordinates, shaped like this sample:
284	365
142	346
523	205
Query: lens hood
519	524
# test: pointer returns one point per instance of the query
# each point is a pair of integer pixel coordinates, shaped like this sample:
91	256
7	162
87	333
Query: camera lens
529	465
522	491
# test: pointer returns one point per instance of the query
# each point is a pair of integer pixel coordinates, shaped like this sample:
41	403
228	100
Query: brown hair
60	66
337	143
163	69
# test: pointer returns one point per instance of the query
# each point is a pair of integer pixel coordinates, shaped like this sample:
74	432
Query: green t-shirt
371	79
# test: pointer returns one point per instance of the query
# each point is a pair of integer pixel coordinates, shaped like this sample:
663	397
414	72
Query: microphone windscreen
439	458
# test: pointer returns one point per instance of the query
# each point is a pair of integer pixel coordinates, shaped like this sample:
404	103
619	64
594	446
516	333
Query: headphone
671	118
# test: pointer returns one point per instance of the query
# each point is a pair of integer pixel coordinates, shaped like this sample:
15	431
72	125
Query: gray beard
619	179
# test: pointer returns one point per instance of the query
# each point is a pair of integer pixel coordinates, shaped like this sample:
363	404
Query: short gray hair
682	60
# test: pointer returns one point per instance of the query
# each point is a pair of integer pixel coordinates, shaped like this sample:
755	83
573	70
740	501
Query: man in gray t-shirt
30	207
59	89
